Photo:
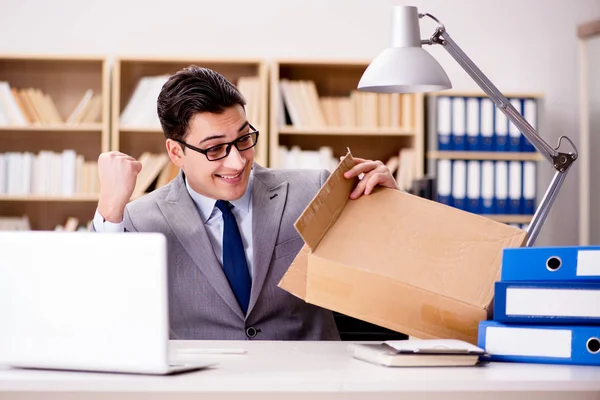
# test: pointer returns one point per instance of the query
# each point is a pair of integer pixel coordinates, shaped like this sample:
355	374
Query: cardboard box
397	260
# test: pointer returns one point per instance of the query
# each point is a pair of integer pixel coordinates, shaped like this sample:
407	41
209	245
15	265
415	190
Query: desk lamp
405	67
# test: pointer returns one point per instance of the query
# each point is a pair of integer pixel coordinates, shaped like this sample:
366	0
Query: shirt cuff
100	225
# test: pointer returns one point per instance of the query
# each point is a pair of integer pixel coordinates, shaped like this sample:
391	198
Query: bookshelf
135	128
482	163
316	113
54	123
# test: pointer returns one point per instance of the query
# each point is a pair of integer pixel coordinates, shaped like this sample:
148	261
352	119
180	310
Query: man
228	221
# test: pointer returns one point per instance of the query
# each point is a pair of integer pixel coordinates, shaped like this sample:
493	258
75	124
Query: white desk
306	370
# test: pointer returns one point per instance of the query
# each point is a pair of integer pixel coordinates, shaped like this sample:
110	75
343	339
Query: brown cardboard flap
327	205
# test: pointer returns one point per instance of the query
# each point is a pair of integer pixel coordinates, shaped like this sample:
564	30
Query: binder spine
562	264
560	303
545	344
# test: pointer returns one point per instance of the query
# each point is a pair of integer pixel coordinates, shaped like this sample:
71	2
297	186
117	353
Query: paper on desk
439	346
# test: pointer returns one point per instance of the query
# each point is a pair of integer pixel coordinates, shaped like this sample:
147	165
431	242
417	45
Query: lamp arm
560	161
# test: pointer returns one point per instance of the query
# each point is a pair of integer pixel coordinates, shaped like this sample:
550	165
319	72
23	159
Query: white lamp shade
404	70
404	67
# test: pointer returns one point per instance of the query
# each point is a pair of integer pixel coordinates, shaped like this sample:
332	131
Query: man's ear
175	152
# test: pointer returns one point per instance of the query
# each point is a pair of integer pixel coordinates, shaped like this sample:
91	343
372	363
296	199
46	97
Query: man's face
224	179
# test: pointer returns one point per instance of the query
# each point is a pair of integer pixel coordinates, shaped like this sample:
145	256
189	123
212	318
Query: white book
419	353
529	180
444	120
35	175
14	173
501	189
458	117
530	112
515	180
444	184
27	170
10	107
87	96
487	119
487	182
2	174
513	131
459	180
147	115
473	179
472	117
4	121
68	160
128	116
501	127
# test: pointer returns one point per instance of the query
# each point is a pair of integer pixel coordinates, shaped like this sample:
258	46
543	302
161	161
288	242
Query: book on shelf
406	173
9	223
31	106
21	223
87	110
154	166
249	86
401	166
302	107
47	173
296	158
140	111
73	224
167	174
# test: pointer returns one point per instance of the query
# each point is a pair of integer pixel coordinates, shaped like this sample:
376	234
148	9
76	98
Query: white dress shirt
213	221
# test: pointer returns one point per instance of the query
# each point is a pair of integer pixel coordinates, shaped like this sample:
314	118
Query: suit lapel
185	222
268	201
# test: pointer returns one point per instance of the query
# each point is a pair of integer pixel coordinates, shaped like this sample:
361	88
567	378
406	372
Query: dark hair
193	90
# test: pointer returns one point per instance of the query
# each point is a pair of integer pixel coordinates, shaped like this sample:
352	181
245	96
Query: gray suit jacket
201	302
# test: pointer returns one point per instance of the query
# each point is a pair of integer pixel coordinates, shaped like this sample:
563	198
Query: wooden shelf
64	79
337	81
127	72
141	129
509	218
37	198
508	95
482	155
346	131
53	128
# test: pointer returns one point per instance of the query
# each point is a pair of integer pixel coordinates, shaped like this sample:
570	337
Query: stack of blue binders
546	307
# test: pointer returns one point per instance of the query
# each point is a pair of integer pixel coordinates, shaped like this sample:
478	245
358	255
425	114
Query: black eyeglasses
222	150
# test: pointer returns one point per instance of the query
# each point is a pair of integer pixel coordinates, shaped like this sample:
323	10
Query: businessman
228	221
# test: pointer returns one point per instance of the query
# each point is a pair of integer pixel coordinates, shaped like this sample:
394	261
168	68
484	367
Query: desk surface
326	368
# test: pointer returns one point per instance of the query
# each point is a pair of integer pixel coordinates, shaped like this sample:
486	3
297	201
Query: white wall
592	52
522	45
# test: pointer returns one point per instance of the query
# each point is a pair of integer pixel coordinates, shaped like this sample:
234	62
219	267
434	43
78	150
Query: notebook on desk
85	301
419	353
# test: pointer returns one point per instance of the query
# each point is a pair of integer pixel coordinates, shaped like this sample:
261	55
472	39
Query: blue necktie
234	257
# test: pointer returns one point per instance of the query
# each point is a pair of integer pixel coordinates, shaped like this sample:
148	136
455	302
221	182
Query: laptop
85	301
